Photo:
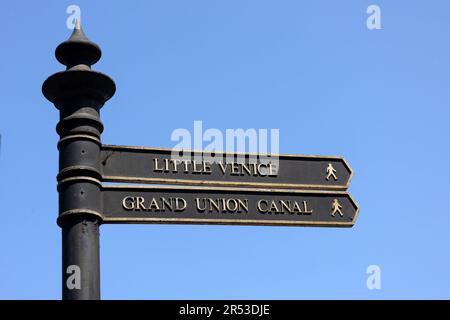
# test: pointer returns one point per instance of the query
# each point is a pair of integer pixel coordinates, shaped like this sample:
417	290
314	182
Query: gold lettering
261	171
177	204
233	207
186	165
243	204
273	207
129	200
175	164
194	167
273	170
167	204
285	205
235	169
254	168
305	208
223	204
207	167
140	203
166	165
155	168
247	169
153	204
296	208
260	209
223	167
215	204
197	204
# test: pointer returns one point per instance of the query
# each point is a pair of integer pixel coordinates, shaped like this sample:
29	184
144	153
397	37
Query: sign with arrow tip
156	165
229	206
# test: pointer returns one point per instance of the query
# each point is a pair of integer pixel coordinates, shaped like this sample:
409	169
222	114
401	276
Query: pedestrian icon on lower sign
336	207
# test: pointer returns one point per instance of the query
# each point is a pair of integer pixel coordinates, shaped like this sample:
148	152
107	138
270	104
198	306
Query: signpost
220	188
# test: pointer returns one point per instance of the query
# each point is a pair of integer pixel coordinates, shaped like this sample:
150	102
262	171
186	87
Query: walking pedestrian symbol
331	172
336	207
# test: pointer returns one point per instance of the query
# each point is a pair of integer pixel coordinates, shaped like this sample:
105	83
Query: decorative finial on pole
77	24
78	54
79	92
78	49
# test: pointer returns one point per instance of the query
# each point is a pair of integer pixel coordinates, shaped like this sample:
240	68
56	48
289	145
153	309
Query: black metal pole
79	93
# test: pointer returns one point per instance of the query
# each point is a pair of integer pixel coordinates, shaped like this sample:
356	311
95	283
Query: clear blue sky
380	98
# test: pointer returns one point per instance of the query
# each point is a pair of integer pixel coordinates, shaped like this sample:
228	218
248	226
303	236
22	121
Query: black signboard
231	206
165	166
